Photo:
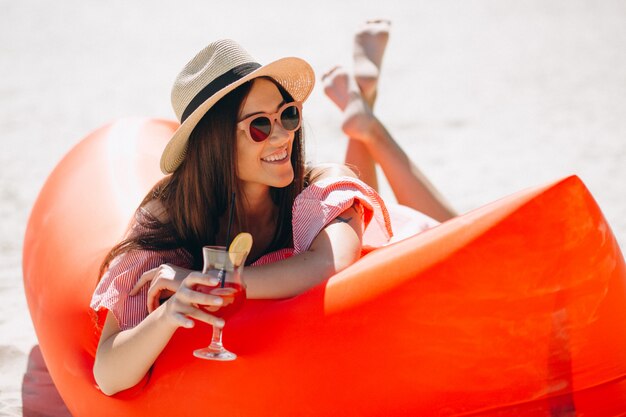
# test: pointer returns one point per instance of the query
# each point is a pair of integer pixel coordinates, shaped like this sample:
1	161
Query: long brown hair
197	194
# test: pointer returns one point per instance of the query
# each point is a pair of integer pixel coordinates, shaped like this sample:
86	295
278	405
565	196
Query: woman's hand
177	285
164	281
186	301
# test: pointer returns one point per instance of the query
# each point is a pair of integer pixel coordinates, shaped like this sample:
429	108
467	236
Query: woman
240	133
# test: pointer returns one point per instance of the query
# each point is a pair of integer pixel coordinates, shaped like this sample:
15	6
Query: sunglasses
259	126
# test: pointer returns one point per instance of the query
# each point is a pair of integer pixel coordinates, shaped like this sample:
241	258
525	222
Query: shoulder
322	201
333	183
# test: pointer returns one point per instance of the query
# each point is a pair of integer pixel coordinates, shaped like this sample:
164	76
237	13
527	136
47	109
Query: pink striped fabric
113	289
319	204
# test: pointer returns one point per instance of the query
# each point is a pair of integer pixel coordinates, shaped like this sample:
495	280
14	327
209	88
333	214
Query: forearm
125	357
287	278
336	247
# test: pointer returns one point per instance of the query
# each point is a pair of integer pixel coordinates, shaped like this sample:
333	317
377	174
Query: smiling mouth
278	156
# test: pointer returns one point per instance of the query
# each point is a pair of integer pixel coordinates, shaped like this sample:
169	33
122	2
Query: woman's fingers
163	272
156	293
165	281
182	311
187	295
207	318
197	277
143	280
157	296
183	321
197	296
188	299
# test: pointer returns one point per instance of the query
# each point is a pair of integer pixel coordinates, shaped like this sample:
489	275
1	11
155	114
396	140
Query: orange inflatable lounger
516	308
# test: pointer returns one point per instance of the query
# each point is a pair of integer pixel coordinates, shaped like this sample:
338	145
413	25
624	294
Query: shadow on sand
40	397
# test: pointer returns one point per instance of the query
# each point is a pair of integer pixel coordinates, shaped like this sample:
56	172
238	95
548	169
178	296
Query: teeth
276	156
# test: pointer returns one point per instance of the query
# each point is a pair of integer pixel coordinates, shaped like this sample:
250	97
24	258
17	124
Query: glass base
216	354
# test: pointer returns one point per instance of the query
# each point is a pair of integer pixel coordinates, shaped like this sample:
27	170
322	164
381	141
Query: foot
359	121
369	47
335	84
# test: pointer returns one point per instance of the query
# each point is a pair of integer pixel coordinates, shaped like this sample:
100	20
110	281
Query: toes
330	72
333	74
375	26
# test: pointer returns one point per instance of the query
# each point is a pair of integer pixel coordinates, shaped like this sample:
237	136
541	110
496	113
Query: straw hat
215	71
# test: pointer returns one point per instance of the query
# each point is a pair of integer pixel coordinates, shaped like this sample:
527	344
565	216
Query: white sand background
488	97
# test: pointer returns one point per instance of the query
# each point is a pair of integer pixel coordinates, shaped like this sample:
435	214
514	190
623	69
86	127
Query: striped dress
317	205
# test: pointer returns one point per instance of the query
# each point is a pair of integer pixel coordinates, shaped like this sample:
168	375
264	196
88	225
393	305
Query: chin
284	184
284	181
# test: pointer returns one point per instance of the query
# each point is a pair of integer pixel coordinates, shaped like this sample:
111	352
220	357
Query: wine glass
228	265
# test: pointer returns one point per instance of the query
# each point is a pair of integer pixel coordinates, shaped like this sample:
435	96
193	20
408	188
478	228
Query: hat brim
294	74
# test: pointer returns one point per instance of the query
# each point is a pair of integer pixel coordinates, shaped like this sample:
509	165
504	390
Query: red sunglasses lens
260	129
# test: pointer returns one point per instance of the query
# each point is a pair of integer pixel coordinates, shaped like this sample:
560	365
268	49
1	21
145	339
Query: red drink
233	295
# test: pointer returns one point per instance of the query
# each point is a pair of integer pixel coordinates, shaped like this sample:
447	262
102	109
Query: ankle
362	126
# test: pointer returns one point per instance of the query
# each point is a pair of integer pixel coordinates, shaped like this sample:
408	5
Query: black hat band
217	84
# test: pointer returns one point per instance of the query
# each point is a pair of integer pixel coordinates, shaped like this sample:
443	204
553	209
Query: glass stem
216	340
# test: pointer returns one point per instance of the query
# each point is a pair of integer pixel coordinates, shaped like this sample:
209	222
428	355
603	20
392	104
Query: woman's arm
125	356
336	247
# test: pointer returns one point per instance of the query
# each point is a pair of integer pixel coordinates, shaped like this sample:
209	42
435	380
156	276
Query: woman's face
268	163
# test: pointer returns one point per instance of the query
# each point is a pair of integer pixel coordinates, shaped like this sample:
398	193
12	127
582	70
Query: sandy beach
488	97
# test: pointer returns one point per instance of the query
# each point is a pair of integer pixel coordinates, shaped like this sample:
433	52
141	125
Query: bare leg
369	47
357	156
370	142
409	185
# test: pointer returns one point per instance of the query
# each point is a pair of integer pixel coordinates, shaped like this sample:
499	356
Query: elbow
106	391
340	260
110	380
344	261
106	378
104	383
345	254
104	387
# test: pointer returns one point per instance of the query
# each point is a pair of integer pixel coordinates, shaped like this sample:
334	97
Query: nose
280	135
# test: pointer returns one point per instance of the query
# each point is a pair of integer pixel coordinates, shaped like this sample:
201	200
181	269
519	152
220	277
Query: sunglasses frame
244	124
